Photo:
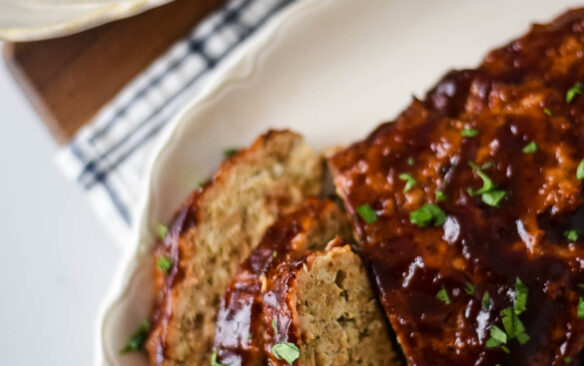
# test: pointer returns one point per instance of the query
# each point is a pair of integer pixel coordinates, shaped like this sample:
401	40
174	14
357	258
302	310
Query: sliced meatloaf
240	326
470	208
216	228
322	311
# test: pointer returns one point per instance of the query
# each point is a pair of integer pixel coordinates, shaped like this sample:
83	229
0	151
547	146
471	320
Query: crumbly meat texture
448	287
218	226
325	305
240	326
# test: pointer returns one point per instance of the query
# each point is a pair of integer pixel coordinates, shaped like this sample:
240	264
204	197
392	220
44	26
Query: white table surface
57	260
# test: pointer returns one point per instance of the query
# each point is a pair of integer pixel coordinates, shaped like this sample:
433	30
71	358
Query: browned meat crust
433	280
214	230
240	329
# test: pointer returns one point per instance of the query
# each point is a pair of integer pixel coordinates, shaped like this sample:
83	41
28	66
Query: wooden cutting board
69	79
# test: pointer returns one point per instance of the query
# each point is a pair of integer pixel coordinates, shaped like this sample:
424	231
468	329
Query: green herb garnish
441	196
367	213
409	179
530	148
442	295
520	301
567	359
580	170
571	235
469	132
580	308
513	325
214	360
428	214
497	338
286	351
162	231
547	111
274	327
489	194
137	339
227	153
469	289
573	92
411	161
581	285
486	301
164	263
274	253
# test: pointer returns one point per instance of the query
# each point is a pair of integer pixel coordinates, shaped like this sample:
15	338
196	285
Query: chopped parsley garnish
201	183
487	165
520	301
513	325
428	214
367	213
469	132
164	263
469	289
442	295
530	148
274	253
162	231
227	153
249	336
441	196
286	351
489	194
409	179
214	360
580	170
581	285
571	235
411	161
274	326
486	301
547	111
573	92
567	359
138	338
580	308
497	338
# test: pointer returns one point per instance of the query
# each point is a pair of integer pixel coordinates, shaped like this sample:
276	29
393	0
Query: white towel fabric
107	157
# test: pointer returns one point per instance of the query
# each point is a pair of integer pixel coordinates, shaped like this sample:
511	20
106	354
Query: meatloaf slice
323	311
238	337
470	208
216	228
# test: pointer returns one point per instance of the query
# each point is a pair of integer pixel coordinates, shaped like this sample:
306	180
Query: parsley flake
274	254
487	182
441	196
162	231
442	295
428	214
489	194
274	326
497	337
530	148
571	235
581	285
492	198
580	308
547	111
367	213
486	301
410	181
567	359
469	289
411	161
164	263
580	170
214	360
286	351
513	325
520	301
227	153
573	92
137	339
469	132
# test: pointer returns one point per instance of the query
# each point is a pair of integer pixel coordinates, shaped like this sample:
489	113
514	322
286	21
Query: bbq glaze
516	96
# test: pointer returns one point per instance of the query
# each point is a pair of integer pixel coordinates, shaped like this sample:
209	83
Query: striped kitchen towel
107	157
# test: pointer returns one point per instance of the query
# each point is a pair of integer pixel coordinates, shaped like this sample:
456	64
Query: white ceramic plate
330	69
27	20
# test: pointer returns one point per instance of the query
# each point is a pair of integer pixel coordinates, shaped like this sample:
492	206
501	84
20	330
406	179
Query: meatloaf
217	227
240	327
323	311
469	207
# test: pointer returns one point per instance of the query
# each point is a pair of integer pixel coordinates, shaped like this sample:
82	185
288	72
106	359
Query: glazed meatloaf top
240	326
469	207
216	228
